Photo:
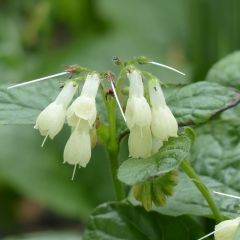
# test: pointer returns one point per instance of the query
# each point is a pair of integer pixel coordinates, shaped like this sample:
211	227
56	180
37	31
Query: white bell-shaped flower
138	117
84	107
137	111
51	120
78	147
140	142
164	124
226	229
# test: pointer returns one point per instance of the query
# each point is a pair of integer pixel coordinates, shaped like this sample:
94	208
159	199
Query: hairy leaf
192	104
198	102
216	157
167	159
226	71
114	221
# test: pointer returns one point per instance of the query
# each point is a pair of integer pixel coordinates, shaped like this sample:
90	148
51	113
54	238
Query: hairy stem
113	149
202	188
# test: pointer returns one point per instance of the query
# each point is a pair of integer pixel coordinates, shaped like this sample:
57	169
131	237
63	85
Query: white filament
168	67
117	99
227	195
38	80
74	171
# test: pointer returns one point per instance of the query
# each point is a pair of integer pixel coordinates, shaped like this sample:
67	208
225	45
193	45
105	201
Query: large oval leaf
115	221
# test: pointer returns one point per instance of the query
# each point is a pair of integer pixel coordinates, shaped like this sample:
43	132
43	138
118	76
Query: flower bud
78	147
140	142
51	120
164	124
84	107
226	229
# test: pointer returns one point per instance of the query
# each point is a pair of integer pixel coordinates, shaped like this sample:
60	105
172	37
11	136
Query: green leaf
192	104
198	102
168	158
216	157
188	200
51	235
114	221
22	105
226	71
39	173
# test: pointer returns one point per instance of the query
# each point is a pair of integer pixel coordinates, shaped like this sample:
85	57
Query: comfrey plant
135	109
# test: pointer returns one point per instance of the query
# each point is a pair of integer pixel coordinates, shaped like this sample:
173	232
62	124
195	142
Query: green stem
202	188
113	149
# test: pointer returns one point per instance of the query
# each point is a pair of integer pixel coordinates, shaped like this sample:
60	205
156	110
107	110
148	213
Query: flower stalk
186	167
113	149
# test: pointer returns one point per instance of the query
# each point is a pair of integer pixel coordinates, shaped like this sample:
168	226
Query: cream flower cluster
81	116
149	127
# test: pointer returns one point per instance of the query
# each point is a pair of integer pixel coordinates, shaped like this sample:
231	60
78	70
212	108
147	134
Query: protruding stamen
38	80
168	67
74	171
44	140
226	195
219	229
117	99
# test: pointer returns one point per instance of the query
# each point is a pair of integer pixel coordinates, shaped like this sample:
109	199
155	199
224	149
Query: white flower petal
136	84
78	147
140	142
90	86
164	124
66	95
138	112
157	98
82	108
51	120
226	233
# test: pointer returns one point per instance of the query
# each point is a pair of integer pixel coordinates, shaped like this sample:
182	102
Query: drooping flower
140	142
51	120
226	229
138	117
84	107
81	116
164	124
78	147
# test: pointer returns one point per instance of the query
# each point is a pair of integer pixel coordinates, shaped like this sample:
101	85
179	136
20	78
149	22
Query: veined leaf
192	104
216	157
198	102
168	158
114	221
226	71
23	105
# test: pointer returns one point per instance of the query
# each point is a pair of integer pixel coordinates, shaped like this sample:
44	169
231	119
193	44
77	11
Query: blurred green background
40	37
